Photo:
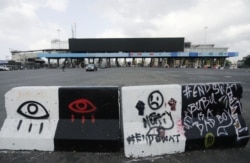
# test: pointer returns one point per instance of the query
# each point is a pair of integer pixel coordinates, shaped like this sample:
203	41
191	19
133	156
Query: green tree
247	61
228	63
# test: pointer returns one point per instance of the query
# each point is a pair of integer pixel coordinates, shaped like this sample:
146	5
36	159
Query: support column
116	62
152	62
143	62
171	62
134	62
108	62
199	62
224	62
57	62
125	62
99	62
83	63
160	62
212	62
48	63
71	63
166	63
202	62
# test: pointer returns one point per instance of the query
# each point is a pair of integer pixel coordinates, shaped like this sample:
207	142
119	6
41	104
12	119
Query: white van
4	68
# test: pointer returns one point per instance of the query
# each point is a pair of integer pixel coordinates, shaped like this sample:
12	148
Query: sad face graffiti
155	100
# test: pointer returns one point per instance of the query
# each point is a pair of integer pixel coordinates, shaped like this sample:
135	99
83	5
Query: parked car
91	67
4	68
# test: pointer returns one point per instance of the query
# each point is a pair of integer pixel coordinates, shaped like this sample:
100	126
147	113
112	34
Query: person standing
63	67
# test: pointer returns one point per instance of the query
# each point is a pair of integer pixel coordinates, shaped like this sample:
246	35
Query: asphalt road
125	77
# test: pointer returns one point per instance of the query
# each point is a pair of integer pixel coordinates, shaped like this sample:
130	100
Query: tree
247	61
228	63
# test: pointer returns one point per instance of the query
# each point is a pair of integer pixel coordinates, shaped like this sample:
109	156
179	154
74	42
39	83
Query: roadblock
152	120
211	115
149	120
61	118
167	119
32	116
88	119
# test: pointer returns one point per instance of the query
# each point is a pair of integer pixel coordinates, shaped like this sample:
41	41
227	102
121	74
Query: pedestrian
63	67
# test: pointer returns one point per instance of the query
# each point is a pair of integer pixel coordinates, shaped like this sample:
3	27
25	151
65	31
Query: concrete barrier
155	119
165	119
211	115
32	116
152	120
61	118
88	119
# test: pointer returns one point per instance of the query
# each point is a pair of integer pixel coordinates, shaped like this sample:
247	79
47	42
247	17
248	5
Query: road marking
227	76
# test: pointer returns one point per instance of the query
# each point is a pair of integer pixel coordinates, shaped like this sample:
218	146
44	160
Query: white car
4	68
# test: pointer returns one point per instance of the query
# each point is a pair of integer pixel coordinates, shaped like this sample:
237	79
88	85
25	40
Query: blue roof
138	54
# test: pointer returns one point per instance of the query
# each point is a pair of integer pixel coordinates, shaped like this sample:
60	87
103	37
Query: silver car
91	67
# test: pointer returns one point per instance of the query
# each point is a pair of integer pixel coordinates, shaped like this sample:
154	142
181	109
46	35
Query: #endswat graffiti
152	120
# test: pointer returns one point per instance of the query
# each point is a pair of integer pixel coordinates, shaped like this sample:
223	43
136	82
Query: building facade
153	52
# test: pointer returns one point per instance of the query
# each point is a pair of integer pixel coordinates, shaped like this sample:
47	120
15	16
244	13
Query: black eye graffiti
82	106
33	110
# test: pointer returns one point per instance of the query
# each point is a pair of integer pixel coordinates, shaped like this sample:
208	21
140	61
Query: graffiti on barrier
209	139
140	106
155	100
83	107
172	104
212	110
32	110
138	137
157	125
157	121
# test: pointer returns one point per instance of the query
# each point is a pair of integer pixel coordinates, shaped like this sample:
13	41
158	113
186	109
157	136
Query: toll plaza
143	52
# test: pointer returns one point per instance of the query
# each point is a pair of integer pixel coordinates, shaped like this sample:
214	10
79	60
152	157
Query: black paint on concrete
88	119
211	115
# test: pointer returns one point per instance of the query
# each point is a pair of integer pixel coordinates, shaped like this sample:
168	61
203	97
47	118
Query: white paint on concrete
152	132
34	126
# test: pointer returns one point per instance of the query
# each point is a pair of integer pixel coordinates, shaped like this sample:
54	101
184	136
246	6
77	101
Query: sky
32	25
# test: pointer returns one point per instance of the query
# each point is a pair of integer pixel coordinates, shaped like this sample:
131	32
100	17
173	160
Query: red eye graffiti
82	106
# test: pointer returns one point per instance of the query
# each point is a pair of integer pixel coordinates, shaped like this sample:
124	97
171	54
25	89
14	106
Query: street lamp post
58	30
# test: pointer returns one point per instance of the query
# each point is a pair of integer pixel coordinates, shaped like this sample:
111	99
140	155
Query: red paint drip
72	118
92	118
83	119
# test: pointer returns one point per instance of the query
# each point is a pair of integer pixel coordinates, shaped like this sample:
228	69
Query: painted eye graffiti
82	106
33	110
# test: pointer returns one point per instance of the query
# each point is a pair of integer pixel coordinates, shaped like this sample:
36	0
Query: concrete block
32	116
152	122
211	114
88	119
